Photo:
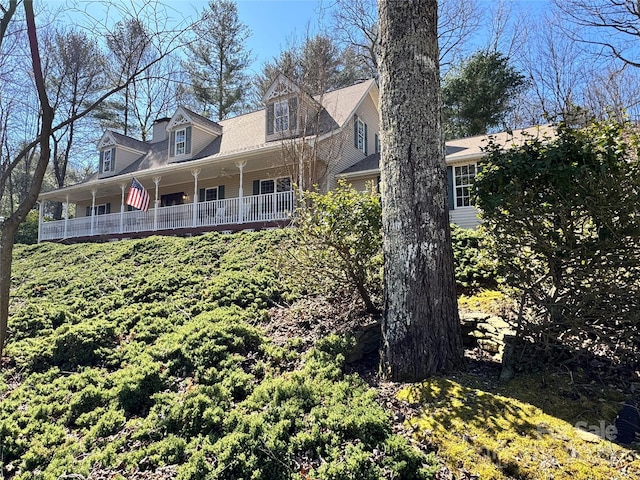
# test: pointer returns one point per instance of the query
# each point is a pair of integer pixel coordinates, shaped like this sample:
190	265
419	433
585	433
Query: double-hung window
181	141
281	116
360	132
211	194
273	185
107	161
464	176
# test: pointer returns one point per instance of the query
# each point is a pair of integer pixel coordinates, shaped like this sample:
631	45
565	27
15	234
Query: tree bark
420	324
10	225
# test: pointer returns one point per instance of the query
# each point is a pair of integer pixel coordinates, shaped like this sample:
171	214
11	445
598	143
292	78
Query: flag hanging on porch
138	196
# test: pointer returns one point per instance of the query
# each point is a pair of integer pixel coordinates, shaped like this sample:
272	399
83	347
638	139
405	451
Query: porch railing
231	211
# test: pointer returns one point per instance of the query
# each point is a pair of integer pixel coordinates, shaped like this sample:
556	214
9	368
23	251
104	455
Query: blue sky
274	23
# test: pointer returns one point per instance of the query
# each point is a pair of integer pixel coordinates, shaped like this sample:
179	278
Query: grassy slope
141	359
144	359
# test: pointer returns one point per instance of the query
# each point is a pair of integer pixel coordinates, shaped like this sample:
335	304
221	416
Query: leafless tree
164	41
609	26
355	23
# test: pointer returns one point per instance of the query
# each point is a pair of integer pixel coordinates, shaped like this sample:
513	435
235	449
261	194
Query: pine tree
218	61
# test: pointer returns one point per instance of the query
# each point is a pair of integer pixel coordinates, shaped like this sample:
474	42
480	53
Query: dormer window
281	110
282	116
180	142
108	163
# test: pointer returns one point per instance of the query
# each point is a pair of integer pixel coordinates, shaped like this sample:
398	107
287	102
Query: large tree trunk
420	324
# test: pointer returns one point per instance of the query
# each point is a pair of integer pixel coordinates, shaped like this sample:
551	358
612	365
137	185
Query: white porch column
66	216
195	172
241	166
123	186
93	209
40	216
156	180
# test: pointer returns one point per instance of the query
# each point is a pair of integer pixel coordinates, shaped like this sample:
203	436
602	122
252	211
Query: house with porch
230	175
238	173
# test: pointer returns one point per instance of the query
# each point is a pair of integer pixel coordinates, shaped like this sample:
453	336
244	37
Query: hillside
196	358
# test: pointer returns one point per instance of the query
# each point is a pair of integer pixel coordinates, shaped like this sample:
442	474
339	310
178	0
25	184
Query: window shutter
172	145
187	148
355	131
88	212
107	209
293	113
101	162
450	186
201	194
366	149
256	187
377	143
220	192
113	159
270	118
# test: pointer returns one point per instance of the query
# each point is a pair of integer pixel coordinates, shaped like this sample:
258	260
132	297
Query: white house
238	173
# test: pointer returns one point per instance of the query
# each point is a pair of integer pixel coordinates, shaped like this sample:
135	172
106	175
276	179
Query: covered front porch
183	201
255	211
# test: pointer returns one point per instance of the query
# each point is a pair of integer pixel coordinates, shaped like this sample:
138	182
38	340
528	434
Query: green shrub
136	387
27	232
474	268
85	344
338	238
562	213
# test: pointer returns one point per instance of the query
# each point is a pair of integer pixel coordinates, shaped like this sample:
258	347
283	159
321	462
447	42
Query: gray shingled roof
203	121
242	133
462	148
130	142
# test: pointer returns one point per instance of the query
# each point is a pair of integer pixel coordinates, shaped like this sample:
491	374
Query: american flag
138	196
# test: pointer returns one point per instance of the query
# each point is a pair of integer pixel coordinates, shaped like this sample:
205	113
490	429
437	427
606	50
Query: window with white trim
361	136
281	116
211	194
463	178
107	161
273	185
181	141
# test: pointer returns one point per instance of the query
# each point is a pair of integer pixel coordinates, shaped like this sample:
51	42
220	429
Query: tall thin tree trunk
420	325
10	225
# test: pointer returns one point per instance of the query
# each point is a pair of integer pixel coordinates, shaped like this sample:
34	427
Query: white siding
465	217
368	113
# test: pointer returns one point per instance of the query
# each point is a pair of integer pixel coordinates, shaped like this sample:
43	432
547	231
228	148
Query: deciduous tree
37	143
420	324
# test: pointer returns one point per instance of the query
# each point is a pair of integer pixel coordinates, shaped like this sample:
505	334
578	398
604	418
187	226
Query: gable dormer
107	149
284	106
189	133
117	152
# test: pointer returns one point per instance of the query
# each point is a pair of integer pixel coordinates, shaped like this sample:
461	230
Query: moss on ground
521	430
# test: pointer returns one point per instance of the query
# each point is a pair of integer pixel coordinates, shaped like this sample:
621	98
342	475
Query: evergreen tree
218	61
479	94
318	66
